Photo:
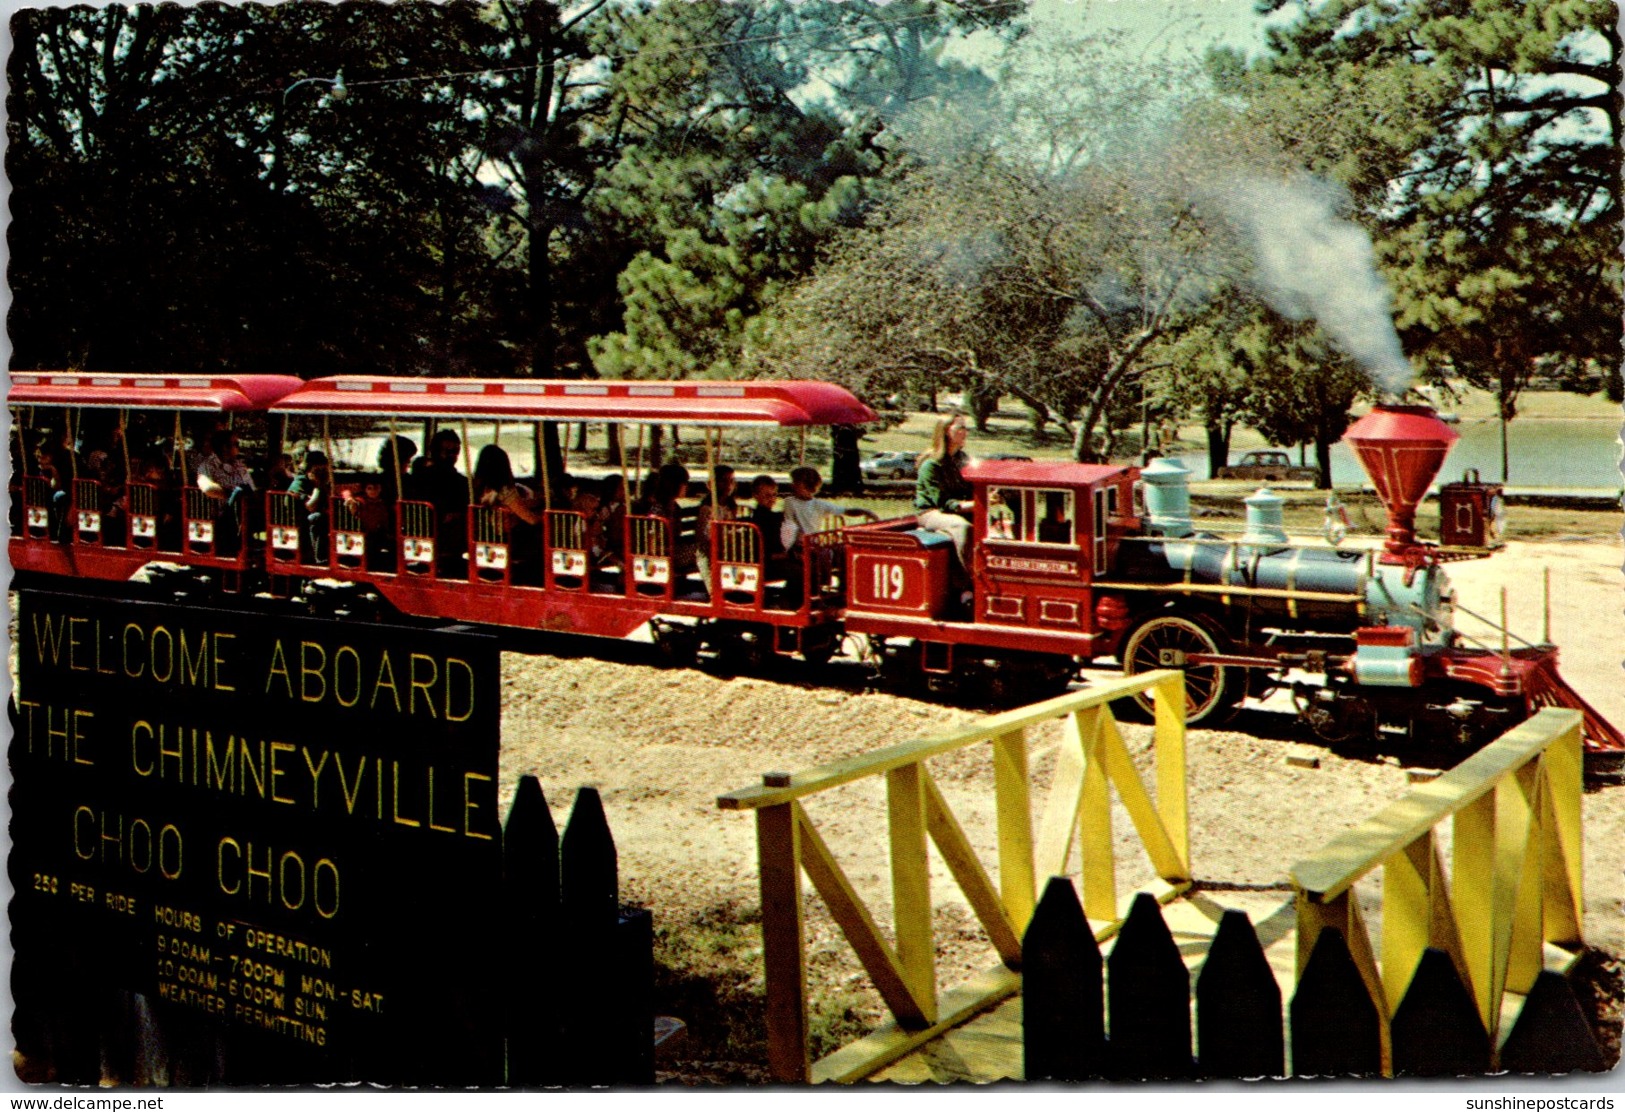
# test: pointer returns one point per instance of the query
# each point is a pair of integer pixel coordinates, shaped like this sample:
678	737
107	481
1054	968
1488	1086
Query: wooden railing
1091	754
1510	904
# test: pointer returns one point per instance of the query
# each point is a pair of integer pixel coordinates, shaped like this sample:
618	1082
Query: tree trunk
1218	446
844	473
1323	459
1041	418
657	447
1083	443
983	405
581	438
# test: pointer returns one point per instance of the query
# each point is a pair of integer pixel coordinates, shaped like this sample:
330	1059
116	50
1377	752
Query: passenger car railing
87	512
650	556
37	494
346	537
569	561
739	575
207	523
145	511
415	524
285	529
489	545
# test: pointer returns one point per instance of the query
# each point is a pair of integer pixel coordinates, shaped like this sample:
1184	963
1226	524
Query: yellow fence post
1173	804
778	850
1563	861
911	886
1513	903
1013	805
1095	821
1472	872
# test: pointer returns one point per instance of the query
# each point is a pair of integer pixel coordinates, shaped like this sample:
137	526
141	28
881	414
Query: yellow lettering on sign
279	667
425	685
306	648
49	638
277	773
66	731
465	710
219	664
386	678
469	806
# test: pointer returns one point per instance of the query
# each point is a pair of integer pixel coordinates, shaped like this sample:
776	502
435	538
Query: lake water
1553	453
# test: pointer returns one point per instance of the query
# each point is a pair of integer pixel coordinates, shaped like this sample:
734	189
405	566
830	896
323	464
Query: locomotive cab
1044	533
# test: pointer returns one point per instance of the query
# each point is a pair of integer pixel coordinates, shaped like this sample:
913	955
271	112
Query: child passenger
372	513
805	512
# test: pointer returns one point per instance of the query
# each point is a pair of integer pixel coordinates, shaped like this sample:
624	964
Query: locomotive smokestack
1402	448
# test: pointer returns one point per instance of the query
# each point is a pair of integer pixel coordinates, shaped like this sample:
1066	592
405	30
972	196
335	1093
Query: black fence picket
1062	997
1335	1030
1436	1028
530	881
1148	999
1335	1023
1552	1034
581	1009
1238	1006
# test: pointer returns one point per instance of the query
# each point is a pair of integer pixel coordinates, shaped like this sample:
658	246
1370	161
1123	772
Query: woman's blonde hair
939	436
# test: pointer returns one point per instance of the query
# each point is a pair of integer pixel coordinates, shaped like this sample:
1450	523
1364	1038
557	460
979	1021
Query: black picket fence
1069	992
580	1007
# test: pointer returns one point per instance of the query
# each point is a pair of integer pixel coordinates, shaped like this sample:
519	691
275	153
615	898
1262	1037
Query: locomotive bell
1401	448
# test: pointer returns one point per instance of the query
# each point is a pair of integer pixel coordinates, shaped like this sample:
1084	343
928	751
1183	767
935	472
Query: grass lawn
1010	429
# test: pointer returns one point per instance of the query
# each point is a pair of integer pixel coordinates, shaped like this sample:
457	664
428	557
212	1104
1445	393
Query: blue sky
1160	27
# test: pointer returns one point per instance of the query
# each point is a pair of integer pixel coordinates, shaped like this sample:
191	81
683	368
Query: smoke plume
1311	263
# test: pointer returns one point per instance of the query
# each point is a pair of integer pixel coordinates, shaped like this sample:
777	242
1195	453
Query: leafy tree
1300	387
750	134
1494	193
180	202
1043	258
1206	370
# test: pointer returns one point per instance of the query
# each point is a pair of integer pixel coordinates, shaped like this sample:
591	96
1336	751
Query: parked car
1268	466
891	465
1008	456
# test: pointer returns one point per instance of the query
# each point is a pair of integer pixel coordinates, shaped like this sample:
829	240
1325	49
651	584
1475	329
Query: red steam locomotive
1069	563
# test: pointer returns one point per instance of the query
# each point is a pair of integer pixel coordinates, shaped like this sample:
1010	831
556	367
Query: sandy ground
662	745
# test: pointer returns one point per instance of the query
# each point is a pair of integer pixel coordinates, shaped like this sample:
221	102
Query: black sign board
284	830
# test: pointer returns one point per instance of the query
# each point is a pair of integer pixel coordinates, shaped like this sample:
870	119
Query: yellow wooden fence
1077	809
1510	903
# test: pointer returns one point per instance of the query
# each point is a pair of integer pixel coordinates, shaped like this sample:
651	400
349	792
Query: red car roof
112	391
702	403
1041	472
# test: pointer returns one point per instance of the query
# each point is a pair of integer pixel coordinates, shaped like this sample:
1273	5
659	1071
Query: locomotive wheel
816	650
1212	691
676	646
748	649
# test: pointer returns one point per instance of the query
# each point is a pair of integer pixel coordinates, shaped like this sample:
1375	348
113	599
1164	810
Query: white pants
940	521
